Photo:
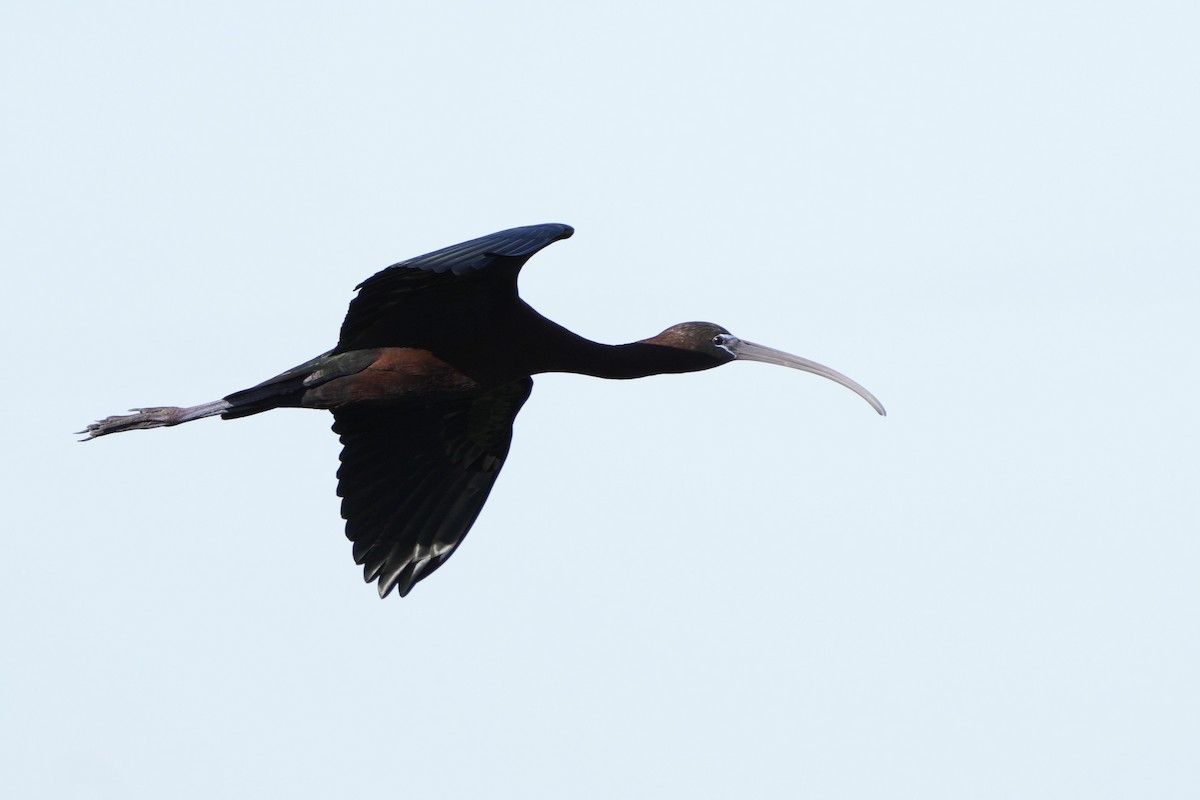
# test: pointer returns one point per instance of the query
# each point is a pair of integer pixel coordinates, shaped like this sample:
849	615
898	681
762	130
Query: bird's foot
157	417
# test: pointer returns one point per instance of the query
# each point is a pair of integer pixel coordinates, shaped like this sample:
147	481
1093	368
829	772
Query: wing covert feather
413	302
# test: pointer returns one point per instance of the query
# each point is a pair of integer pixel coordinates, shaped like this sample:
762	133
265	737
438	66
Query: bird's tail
158	417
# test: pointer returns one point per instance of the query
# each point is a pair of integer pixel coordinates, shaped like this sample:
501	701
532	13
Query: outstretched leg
154	418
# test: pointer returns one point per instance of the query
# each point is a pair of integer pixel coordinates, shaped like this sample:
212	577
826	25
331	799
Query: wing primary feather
414	480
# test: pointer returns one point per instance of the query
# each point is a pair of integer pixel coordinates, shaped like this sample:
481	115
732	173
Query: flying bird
433	362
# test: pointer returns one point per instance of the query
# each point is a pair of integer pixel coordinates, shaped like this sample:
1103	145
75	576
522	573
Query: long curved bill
749	351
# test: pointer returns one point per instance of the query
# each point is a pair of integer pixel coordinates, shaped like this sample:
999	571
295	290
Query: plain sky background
735	583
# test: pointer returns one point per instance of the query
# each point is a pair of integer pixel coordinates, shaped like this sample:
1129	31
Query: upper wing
414	302
413	480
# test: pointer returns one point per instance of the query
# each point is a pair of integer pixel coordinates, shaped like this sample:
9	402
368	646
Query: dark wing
413	480
447	292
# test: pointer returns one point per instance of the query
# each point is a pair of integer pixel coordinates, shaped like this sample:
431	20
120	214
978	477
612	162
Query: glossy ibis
431	367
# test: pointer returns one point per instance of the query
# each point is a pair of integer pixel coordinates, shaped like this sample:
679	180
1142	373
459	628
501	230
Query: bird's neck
640	359
573	353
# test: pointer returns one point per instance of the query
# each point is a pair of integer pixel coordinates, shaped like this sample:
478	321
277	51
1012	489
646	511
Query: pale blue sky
736	583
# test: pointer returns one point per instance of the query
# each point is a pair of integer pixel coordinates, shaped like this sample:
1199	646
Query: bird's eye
717	340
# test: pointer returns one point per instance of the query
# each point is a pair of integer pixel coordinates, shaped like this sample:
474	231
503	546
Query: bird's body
433	362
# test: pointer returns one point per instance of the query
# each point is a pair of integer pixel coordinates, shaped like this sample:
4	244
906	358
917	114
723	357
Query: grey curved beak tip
874	403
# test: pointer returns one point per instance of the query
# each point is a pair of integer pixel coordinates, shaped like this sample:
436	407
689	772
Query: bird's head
720	346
